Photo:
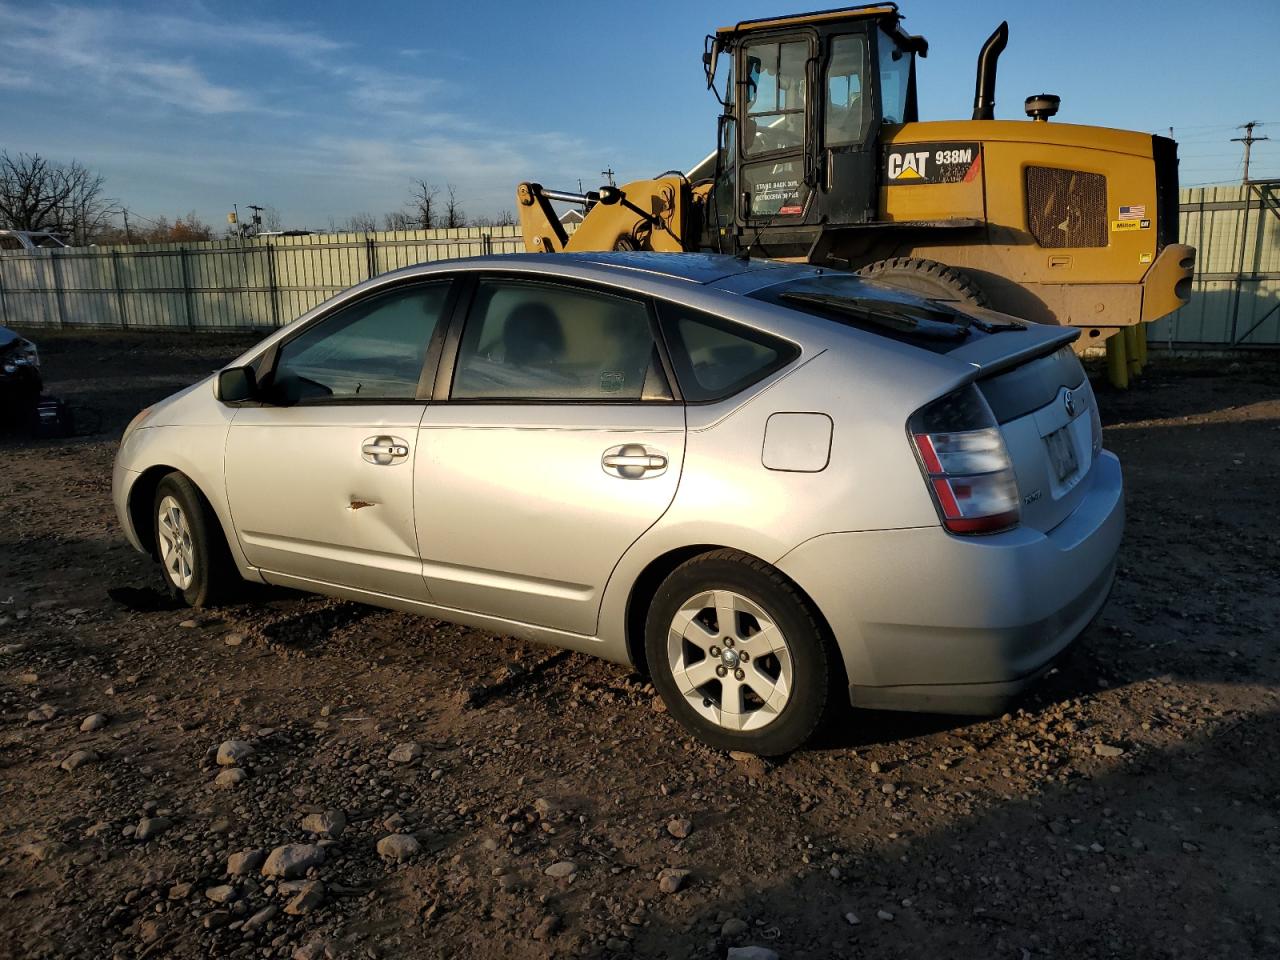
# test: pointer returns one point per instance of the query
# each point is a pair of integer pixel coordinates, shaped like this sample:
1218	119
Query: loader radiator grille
1067	208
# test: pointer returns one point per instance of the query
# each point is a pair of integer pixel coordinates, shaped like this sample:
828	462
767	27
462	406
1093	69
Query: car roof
704	268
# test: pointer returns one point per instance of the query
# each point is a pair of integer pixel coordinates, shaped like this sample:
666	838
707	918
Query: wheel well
646	587
141	497
143	494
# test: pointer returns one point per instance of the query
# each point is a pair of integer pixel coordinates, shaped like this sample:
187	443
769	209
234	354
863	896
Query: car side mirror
237	385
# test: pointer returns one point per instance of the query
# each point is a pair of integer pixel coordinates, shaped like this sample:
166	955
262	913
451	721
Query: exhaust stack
984	92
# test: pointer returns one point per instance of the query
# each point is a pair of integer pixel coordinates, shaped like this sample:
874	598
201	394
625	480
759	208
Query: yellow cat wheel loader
822	158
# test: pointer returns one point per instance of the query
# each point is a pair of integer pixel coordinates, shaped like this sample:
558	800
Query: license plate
1062	452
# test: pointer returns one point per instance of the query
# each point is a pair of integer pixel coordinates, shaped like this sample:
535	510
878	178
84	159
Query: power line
1248	140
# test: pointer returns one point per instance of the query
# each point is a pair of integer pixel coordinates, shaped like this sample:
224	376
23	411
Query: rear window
716	358
933	325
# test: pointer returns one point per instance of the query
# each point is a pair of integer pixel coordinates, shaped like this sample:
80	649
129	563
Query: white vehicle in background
28	240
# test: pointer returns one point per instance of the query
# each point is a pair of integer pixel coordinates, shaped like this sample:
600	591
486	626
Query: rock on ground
259	920
149	827
399	846
672	879
405	753
244	862
78	758
328	824
292	860
307	899
230	777
231	752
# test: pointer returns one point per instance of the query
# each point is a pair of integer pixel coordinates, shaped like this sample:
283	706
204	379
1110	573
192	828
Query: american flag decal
1135	212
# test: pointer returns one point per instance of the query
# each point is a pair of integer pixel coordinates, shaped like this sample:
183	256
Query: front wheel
739	656
195	563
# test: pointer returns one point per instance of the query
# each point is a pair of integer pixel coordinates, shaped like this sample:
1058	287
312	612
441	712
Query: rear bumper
932	622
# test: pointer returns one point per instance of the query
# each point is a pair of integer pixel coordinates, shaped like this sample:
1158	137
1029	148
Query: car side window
537	341
371	350
715	358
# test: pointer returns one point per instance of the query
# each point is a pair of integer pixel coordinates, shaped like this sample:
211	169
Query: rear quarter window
715	358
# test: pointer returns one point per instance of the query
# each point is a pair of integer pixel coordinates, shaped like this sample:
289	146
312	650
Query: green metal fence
220	285
1235	302
268	282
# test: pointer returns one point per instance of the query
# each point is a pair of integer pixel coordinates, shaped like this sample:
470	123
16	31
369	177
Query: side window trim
470	283
270	358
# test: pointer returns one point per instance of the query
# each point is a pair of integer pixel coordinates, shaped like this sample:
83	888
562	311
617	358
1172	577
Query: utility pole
257	217
1248	140
608	172
125	213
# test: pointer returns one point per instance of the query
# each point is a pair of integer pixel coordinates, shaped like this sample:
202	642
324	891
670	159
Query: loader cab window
847	100
775	95
895	79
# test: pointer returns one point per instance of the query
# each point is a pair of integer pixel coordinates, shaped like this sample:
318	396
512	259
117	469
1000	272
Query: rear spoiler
991	355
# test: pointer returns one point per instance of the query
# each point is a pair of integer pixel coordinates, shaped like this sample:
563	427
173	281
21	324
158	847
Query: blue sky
326	109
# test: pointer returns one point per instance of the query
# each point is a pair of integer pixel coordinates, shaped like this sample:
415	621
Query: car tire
768	682
926	278
194	560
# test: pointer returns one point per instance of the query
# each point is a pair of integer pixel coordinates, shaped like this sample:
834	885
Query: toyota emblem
1069	401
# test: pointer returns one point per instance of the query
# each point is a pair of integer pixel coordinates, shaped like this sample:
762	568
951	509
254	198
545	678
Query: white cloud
69	46
355	136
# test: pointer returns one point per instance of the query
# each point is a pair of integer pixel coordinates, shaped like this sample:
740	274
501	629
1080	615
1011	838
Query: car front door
320	476
560	443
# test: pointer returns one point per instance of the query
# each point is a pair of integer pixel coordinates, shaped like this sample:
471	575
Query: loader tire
927	278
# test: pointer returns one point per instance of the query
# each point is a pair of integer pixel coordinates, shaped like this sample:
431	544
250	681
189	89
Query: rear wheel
739	656
927	278
194	559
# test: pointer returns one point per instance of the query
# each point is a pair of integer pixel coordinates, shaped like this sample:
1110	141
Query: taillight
963	456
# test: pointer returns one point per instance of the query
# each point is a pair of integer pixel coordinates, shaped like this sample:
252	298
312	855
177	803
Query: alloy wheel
176	550
730	660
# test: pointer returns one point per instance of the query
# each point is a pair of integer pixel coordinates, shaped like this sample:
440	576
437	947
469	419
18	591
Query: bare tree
361	223
505	219
423	203
454	216
184	229
38	194
271	219
398	220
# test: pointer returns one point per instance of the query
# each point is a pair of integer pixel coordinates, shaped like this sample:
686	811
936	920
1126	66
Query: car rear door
320	479
558	443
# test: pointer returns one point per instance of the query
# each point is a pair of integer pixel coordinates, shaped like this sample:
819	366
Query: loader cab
804	101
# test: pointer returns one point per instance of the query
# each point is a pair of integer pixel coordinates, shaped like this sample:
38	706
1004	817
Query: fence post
371	257
186	288
271	281
120	301
486	244
4	306
57	288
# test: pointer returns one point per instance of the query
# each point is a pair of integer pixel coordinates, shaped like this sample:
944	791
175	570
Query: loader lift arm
618	217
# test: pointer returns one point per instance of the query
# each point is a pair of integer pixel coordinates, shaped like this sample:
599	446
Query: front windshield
895	75
775	96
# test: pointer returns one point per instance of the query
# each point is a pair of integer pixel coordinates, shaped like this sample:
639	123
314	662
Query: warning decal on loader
932	163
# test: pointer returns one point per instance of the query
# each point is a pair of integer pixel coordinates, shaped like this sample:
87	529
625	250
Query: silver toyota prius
776	489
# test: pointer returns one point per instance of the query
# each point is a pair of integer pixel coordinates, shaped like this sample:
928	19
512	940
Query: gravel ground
301	777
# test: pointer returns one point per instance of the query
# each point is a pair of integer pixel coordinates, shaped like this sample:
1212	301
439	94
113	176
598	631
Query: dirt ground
1129	809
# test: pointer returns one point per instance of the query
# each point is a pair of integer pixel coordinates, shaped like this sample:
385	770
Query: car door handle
384	450
631	461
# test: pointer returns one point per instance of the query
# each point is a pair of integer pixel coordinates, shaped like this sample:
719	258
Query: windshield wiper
898	317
